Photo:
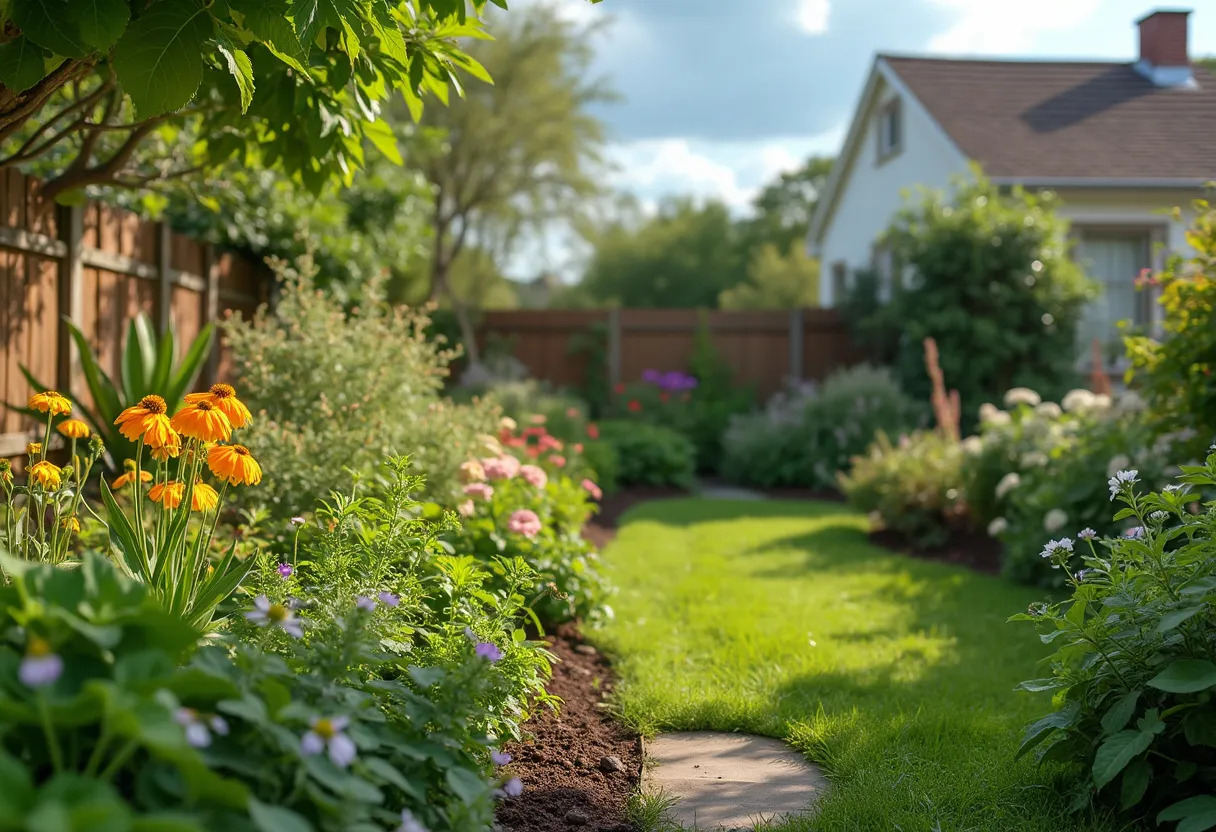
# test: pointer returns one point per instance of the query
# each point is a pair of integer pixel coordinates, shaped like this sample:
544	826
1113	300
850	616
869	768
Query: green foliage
805	435
1175	373
912	487
649	454
875	324
150	366
783	209
987	274
592	347
776	280
335	389
1132	676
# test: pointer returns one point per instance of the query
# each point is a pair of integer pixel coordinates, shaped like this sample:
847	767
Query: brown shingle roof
1046	120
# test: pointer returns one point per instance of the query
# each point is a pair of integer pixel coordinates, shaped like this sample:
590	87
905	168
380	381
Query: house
1121	144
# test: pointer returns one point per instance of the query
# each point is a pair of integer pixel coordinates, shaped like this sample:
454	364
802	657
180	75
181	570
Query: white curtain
1115	261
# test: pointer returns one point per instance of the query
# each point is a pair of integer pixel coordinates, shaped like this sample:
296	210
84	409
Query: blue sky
720	95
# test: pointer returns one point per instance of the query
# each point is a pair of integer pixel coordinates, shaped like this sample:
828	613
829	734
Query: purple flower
409	823
390	599
364	603
652	377
1054	547
1087	534
327	734
40	667
267	614
512	788
297	520
499	758
286	570
1135	533
198	728
488	651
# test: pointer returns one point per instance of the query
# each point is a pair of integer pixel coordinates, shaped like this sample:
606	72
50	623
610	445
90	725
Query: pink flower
500	468
577	447
535	476
525	522
592	489
537	418
479	490
572	412
466	508
472	471
557	461
548	442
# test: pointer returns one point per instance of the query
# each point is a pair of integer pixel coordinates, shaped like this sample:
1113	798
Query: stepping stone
730	781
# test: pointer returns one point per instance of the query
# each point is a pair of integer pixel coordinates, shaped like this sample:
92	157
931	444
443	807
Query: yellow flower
148	420
235	464
204	498
6	471
202	420
128	478
45	474
71	524
169	494
170	449
74	429
51	402
223	397
33	448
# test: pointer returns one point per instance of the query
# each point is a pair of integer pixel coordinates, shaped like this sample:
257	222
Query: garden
371	576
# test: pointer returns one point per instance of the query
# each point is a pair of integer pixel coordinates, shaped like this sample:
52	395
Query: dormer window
890	130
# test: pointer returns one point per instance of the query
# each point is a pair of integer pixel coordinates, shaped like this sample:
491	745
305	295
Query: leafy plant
1132	673
649	454
150	366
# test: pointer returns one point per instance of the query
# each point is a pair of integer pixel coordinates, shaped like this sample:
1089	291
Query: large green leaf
267	21
102	22
1116	719
1115	753
138	359
240	68
1040	730
160	57
1196	813
51	23
22	64
1186	676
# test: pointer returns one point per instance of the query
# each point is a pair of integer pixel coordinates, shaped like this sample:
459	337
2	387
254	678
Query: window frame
890	113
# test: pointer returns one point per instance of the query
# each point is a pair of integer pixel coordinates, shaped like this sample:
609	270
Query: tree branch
26	154
17	107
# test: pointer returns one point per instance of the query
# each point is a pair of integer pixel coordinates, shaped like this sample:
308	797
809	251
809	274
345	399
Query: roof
1059	120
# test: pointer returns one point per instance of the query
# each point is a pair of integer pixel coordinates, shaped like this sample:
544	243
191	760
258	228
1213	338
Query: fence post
614	347
795	339
164	276
211	308
71	293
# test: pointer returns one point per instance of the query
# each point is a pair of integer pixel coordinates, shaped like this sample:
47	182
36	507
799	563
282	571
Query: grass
895	675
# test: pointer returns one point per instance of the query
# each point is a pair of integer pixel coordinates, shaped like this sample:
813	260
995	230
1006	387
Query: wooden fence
763	349
99	266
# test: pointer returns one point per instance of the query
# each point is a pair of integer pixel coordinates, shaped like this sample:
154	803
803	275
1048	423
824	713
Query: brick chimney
1164	56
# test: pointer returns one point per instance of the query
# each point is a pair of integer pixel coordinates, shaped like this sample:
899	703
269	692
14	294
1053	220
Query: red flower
593	431
534	431
663	397
534	451
635	406
620	388
577	447
572	412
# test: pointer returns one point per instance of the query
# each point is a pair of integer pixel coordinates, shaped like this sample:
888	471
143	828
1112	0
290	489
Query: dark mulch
578	766
975	550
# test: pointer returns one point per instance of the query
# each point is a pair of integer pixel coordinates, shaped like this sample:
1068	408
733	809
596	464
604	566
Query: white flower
278	615
1008	482
1087	533
1102	402
1035	459
1159	516
327	733
409	823
1049	410
199	728
1054	520
1130	402
1120	479
991	415
1117	463
997	527
1078	401
1053	547
40	667
973	445
1022	395
1173	488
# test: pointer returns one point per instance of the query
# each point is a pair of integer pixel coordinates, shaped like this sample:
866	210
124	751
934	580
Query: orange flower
235	464
202	420
169	494
71	524
128	478
147	420
204	497
33	448
170	449
51	402
225	400
74	429
45	474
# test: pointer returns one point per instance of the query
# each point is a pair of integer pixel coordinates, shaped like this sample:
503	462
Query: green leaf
269	818
1135	783
272	28
1196	813
50	23
18	791
240	68
465	784
1199	728
381	135
1186	676
160	57
1120	713
22	64
1173	619
1116	752
137	359
102	22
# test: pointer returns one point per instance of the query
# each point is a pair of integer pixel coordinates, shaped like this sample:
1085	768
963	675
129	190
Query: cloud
659	167
987	27
813	16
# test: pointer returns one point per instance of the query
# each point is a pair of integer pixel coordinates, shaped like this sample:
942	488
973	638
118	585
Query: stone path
728	492
730	781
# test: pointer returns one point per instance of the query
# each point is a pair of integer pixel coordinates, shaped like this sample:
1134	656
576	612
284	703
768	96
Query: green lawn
895	675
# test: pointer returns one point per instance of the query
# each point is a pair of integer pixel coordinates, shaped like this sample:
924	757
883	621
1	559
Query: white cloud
1003	28
654	167
813	16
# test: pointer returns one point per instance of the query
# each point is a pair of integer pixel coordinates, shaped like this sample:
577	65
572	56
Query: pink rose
558	461
535	476
466	508
592	489
524	522
479	490
500	468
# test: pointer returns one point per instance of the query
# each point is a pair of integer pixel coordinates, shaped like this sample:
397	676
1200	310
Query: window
890	130
1114	259
883	263
840	282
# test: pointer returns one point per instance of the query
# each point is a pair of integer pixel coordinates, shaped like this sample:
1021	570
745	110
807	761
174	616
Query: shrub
1132	676
911	487
988	277
335	389
805	435
1175	373
650	454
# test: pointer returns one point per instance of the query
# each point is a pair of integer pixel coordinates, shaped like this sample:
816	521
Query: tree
685	256
776	280
293	85
784	207
513	156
